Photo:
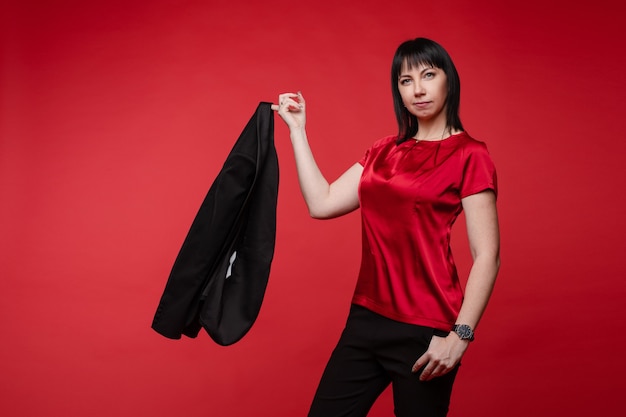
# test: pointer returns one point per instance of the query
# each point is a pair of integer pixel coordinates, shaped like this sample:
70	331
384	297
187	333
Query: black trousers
372	353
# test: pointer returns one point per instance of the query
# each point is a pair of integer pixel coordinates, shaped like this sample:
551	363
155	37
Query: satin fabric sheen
410	196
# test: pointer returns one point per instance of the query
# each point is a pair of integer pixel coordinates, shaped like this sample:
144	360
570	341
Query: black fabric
220	275
373	352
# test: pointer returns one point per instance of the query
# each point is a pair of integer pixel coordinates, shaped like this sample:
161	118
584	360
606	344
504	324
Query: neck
434	132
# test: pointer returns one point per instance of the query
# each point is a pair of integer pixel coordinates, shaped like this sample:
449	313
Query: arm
323	200
484	238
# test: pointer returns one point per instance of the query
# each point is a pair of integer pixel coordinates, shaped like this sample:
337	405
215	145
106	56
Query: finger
291	104
285	96
421	361
275	107
434	370
426	374
293	96
439	370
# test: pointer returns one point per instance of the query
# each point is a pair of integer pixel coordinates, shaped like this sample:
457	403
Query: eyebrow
426	68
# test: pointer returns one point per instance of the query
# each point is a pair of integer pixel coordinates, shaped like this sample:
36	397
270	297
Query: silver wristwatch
464	332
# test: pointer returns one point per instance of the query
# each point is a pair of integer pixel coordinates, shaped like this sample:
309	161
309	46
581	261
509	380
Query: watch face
464	331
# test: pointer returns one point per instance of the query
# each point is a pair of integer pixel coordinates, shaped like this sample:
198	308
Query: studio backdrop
117	116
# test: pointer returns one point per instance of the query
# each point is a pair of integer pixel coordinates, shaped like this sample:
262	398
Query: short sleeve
373	151
479	173
363	160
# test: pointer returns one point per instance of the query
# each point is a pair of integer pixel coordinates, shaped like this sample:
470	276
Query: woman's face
424	91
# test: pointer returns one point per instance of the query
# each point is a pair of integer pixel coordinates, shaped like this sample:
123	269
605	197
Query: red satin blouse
410	195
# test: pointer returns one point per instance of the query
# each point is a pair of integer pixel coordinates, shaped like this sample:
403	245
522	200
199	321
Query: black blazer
219	278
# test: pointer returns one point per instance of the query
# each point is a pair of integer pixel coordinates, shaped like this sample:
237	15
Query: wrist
296	130
464	332
297	134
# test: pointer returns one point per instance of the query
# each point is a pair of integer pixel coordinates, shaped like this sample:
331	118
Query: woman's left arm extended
444	353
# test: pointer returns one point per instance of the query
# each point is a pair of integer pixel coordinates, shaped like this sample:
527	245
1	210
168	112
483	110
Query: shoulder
377	147
383	143
470	145
386	141
476	160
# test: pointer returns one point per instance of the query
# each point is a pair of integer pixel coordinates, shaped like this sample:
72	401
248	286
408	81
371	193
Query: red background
115	116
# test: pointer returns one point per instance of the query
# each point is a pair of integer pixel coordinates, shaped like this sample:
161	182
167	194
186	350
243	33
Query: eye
405	81
429	74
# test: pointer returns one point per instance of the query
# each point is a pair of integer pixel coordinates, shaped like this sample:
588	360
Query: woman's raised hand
292	109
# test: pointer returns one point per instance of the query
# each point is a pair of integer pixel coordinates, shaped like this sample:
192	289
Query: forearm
313	185
323	199
445	352
478	290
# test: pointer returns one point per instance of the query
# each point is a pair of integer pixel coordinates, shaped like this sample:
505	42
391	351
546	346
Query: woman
409	323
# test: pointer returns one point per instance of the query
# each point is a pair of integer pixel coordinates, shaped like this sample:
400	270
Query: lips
421	104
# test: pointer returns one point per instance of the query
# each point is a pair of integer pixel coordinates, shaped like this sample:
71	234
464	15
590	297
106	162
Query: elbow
315	212
322	213
318	215
491	260
495	261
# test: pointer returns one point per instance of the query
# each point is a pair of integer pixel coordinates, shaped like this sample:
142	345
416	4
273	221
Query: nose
418	90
